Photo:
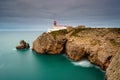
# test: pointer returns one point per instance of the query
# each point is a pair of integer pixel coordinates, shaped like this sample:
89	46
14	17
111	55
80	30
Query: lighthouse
55	23
57	27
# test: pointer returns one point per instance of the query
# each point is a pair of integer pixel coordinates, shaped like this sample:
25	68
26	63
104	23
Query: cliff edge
113	71
98	45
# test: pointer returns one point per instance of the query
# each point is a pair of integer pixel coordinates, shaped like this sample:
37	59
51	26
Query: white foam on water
99	68
83	63
30	48
14	49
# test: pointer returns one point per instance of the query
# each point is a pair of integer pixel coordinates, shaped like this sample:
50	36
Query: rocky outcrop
98	45
23	45
50	43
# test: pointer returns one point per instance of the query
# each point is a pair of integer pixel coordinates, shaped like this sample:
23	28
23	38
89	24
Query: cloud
82	11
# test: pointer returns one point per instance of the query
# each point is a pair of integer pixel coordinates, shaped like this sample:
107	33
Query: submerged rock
23	45
98	45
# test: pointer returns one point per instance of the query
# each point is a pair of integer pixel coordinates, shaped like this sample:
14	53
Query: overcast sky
39	14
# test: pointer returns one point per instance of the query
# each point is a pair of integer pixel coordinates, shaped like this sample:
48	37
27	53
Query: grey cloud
34	11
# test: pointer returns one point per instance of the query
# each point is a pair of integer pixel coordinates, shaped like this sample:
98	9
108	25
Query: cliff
98	45
113	71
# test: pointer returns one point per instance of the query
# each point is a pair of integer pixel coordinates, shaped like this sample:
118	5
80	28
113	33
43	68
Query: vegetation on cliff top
77	30
59	32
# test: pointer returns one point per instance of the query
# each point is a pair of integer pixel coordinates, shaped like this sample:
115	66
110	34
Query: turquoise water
27	65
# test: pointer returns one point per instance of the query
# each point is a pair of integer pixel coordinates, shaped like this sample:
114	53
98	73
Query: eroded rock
49	43
98	45
23	45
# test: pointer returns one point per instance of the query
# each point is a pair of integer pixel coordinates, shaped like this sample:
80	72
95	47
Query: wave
83	63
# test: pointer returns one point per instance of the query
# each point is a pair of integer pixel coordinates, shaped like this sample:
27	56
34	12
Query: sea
27	65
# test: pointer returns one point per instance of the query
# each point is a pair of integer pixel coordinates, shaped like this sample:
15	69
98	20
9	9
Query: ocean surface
27	65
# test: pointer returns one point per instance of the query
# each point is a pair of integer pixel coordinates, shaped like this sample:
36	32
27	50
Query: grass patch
59	32
77	30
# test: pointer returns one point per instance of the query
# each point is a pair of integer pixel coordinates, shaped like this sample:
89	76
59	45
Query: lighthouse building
57	27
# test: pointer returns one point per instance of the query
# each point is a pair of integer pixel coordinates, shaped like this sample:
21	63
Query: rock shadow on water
22	51
51	60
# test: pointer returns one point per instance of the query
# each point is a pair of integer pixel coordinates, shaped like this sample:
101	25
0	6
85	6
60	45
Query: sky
39	14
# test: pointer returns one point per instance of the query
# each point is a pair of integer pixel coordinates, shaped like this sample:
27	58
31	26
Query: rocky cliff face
113	71
52	43
98	45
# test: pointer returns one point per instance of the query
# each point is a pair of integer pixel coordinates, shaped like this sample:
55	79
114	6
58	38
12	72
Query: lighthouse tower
57	27
55	23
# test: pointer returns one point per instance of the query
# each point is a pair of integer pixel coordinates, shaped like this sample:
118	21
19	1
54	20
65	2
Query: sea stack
23	45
